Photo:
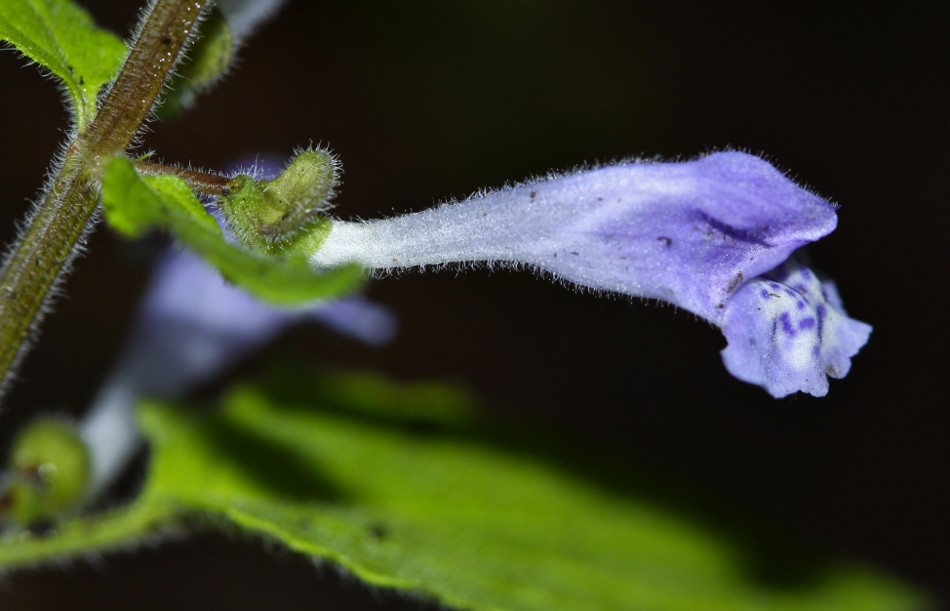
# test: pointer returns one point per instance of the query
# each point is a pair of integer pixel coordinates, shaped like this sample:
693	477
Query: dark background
427	100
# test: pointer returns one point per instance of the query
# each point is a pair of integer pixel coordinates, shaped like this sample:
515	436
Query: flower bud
50	471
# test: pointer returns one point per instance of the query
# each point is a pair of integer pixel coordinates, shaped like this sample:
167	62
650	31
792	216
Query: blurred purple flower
192	326
697	234
244	16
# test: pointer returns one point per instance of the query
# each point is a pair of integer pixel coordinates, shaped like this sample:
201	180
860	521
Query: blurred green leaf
407	499
62	37
134	205
206	62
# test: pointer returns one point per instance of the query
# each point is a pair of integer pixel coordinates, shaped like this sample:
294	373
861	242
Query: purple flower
697	234
192	326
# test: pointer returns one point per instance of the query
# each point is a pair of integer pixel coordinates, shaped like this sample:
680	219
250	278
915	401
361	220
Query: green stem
66	213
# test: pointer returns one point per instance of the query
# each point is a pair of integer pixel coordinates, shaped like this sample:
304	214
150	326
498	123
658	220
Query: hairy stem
65	214
205	183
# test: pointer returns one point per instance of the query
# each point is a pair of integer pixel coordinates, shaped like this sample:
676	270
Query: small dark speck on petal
735	282
666	240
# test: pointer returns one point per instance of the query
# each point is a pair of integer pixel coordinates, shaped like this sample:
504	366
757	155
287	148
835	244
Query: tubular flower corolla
709	236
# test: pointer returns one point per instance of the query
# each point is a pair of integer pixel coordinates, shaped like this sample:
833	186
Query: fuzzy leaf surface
399	487
134	204
60	36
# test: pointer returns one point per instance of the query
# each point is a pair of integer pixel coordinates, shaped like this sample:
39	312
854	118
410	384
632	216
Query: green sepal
62	37
134	204
207	60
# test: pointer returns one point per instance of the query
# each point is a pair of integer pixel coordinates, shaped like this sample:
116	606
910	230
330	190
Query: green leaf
134	205
415	499
62	37
118	529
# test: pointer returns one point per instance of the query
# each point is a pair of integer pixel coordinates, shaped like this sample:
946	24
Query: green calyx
283	216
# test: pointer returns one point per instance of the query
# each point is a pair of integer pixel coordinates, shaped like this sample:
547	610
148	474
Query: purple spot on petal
765	293
801	288
775	286
800	305
821	311
787	326
806	323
